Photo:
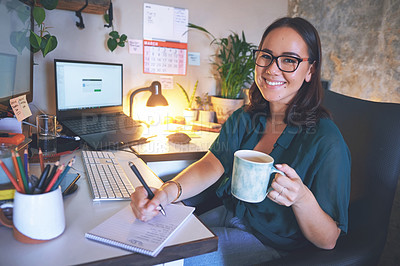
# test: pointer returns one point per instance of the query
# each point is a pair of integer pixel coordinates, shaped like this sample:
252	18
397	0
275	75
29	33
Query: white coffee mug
38	216
251	174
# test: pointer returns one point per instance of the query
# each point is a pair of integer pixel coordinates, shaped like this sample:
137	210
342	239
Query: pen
21	170
55	177
17	172
76	138
9	175
149	192
26	166
43	177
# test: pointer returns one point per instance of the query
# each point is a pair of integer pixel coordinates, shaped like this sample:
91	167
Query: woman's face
275	85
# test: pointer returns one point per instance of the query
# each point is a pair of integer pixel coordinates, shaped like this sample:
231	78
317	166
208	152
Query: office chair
372	133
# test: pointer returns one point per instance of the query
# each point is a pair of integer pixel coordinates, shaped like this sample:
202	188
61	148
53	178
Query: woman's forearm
195	178
317	226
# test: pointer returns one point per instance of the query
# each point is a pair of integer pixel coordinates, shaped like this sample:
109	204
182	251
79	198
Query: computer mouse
179	138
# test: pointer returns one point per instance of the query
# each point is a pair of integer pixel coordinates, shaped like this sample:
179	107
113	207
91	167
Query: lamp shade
156	98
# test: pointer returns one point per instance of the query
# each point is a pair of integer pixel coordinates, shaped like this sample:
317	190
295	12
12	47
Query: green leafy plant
203	103
191	99
233	61
44	42
115	39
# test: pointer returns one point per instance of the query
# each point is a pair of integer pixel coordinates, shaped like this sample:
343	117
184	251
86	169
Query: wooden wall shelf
94	6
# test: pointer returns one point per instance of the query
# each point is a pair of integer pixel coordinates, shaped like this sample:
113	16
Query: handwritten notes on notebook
124	231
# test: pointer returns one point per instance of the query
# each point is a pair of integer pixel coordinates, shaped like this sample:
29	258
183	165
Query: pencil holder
37	218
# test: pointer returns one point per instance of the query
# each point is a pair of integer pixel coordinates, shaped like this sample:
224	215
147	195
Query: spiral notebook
122	230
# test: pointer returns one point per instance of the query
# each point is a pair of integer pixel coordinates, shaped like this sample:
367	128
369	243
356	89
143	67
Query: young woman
308	205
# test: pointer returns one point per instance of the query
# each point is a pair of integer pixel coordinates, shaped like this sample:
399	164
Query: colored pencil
55	177
63	174
17	172
41	159
52	172
21	170
9	175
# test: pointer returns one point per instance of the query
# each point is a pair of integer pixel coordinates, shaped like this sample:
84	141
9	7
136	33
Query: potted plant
189	113
44	42
203	105
234	66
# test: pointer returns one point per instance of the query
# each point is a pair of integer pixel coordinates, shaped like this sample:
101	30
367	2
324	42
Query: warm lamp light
156	98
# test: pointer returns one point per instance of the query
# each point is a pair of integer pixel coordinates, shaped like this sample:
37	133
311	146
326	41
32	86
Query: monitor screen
16	59
84	85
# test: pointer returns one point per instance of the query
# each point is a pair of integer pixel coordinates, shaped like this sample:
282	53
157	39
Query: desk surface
82	214
160	149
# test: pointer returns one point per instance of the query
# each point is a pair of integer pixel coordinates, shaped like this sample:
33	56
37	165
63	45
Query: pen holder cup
37	218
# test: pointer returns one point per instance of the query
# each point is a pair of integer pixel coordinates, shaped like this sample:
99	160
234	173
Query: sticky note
135	46
194	59
167	82
20	107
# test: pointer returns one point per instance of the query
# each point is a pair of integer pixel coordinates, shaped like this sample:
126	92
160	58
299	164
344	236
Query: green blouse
320	157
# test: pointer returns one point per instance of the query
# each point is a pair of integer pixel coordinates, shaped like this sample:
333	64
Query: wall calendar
164	57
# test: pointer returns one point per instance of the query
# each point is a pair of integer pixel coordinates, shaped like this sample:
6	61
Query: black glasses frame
275	58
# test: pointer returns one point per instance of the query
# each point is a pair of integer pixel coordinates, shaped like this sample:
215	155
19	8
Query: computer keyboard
102	124
107	179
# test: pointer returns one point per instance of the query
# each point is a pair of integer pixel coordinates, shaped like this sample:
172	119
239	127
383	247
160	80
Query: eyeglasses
285	63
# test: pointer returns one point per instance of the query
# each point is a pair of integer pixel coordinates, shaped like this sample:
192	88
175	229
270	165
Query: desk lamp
156	98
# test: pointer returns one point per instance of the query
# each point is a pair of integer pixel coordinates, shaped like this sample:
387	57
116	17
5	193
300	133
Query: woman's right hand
193	180
143	208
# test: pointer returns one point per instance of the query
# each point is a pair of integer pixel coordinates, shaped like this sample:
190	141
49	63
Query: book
122	230
208	126
7	191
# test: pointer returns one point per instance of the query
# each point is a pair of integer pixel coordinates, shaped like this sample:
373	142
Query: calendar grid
164	58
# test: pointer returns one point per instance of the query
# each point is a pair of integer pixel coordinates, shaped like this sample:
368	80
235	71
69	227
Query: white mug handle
274	170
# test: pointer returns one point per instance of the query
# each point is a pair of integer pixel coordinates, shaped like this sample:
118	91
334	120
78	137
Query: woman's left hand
287	190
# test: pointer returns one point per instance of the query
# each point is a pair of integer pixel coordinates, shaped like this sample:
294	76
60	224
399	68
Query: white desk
160	149
82	214
167	159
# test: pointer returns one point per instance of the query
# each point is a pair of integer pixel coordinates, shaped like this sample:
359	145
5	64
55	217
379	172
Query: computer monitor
87	86
16	59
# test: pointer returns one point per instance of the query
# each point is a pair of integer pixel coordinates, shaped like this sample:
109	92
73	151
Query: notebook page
124	231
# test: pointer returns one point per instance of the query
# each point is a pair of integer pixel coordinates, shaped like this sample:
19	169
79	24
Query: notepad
122	230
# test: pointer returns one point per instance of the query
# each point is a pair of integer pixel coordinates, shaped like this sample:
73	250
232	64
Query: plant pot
225	107
190	115
206	116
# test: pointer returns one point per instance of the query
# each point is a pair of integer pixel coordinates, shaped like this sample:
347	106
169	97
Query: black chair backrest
372	132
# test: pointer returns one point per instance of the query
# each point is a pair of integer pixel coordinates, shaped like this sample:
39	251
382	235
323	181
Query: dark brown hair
305	108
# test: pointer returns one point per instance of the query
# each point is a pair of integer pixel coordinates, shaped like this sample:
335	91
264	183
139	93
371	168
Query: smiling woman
288	66
279	82
307	202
